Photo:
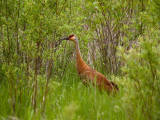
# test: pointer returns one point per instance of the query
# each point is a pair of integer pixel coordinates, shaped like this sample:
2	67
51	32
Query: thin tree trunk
48	73
9	42
35	75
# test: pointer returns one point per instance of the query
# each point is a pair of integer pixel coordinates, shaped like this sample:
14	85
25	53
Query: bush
142	70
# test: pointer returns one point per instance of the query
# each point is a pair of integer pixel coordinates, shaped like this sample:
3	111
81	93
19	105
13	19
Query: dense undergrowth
69	99
38	78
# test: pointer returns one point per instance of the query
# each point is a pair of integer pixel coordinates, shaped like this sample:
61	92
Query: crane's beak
64	38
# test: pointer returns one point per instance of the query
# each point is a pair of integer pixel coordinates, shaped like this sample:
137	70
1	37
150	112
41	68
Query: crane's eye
71	36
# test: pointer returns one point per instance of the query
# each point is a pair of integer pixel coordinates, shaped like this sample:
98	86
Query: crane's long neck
79	61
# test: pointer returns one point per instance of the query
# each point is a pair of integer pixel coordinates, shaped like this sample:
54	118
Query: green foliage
142	70
38	79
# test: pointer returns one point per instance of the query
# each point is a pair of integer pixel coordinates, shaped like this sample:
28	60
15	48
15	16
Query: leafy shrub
142	69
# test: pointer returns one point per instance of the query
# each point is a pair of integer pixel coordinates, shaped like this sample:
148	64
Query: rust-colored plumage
87	74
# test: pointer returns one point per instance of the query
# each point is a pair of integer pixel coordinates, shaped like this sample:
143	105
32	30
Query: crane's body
87	74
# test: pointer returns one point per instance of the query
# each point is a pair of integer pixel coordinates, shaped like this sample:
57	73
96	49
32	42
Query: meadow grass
67	99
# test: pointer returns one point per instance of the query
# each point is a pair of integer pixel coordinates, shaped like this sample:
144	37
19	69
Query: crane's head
72	38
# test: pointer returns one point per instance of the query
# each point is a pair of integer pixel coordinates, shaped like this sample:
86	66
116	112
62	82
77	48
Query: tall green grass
69	99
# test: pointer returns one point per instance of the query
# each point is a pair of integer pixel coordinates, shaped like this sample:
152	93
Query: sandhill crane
89	75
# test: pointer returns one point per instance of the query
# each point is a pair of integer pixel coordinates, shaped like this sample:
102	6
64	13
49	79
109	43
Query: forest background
119	38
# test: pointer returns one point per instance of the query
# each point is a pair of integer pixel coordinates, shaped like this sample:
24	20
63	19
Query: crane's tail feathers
115	86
